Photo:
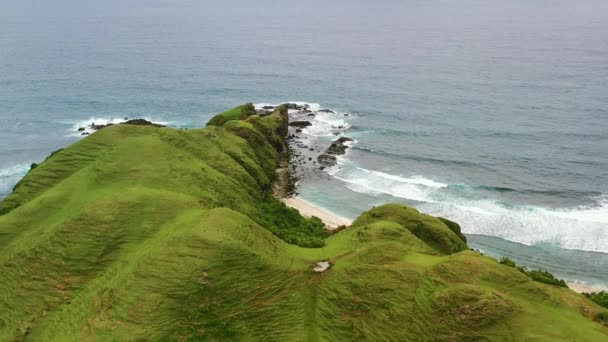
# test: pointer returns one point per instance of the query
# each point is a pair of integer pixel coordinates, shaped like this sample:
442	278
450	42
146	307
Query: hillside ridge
157	233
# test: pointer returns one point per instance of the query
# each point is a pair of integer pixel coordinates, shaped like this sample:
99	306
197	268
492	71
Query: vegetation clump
238	113
289	225
600	297
538	275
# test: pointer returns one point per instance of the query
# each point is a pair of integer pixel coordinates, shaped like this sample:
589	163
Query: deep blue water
491	113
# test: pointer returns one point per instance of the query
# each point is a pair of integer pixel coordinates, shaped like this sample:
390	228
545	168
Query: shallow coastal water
493	114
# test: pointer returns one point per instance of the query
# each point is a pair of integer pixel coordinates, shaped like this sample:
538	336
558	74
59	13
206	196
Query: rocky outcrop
300	124
135	122
327	160
339	146
336	148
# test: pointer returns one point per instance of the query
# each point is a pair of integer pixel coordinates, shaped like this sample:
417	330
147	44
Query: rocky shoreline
309	155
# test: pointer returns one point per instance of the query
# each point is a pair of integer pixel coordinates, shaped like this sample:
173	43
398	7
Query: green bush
289	225
508	262
600	298
537	275
546	277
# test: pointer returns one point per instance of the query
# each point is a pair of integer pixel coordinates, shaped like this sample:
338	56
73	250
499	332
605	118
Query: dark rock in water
294	106
327	160
85	133
262	112
268	107
98	127
339	146
141	122
346	114
311	115
327	111
81	129
135	122
299	130
300	124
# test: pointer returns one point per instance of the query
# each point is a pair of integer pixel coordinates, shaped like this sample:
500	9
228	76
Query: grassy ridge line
173	235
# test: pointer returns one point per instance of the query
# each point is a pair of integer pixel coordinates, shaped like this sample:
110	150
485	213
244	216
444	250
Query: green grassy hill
146	233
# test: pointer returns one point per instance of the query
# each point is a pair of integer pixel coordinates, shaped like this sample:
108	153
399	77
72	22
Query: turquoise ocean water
491	113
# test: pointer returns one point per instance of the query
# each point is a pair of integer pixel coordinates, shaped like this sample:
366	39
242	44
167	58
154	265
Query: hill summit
155	233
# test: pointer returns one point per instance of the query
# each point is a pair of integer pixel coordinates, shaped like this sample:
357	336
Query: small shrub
603	317
600	298
289	225
546	277
536	275
508	262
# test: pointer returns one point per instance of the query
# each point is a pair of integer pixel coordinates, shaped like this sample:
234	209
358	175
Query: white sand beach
580	288
331	220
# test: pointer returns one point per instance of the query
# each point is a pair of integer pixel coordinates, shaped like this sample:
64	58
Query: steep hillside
148	233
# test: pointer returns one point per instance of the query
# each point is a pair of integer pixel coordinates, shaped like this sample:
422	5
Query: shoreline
581	288
331	220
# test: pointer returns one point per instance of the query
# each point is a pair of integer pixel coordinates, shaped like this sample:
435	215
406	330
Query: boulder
300	124
327	111
135	122
339	146
141	122
327	160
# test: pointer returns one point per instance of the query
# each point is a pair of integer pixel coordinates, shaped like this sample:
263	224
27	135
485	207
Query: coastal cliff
154	233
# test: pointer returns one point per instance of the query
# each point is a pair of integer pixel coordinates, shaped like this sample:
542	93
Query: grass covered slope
146	233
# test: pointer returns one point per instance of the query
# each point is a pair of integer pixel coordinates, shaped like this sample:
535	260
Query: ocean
491	113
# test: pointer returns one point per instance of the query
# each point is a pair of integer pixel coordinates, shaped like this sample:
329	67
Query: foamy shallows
9	176
474	207
583	227
324	123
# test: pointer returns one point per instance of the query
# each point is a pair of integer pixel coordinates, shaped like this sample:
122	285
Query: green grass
145	233
238	113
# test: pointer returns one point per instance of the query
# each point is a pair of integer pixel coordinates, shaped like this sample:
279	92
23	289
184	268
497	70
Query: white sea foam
324	124
9	176
583	228
311	105
597	212
415	188
525	224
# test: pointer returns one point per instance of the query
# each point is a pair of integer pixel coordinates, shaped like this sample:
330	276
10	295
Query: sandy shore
331	220
580	288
